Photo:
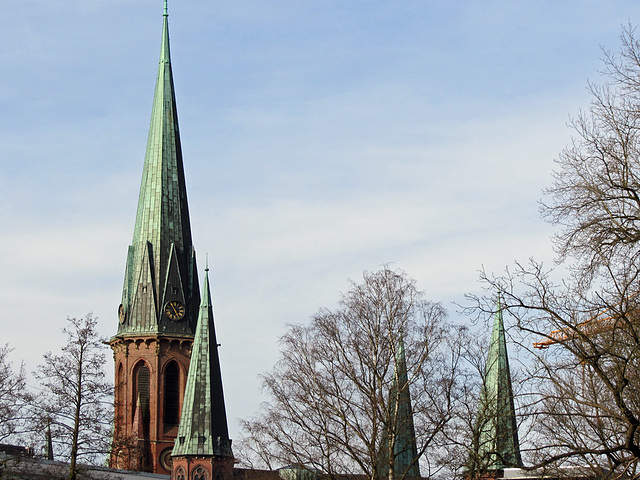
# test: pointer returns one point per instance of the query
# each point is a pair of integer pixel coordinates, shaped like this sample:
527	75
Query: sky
321	138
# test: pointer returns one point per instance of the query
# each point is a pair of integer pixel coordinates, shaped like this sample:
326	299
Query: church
169	411
169	405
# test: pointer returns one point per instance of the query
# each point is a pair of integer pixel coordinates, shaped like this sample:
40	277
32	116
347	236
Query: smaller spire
203	428
399	435
166	9
496	444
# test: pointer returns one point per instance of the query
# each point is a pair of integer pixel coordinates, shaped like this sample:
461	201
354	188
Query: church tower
160	298
495	444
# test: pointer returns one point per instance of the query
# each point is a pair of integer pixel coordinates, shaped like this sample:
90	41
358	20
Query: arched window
141	390
120	391
200	473
172	394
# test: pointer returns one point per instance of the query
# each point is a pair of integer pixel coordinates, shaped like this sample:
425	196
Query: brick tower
160	298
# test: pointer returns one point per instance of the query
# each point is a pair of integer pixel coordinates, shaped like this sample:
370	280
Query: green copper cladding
496	444
161	260
405	452
203	421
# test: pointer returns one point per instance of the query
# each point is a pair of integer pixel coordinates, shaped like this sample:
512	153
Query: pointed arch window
142	377
120	391
171	414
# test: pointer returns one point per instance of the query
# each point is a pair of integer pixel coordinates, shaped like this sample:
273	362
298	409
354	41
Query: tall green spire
496	444
399	435
203	421
161	261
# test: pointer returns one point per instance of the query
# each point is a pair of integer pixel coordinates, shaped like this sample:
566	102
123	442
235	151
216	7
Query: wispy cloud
320	139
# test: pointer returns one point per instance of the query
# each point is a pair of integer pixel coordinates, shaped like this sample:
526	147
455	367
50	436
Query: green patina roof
161	259
496	437
203	421
400	417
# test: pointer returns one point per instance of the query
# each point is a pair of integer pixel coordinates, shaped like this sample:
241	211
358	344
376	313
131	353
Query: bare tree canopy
76	399
583	397
13	397
586	385
336	389
595	196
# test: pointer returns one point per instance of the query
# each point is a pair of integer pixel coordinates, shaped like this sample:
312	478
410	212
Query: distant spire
203	422
496	444
401	430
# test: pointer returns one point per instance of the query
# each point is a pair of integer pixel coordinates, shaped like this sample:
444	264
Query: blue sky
320	138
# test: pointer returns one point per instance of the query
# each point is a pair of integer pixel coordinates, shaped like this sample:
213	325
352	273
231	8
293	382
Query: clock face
174	310
122	313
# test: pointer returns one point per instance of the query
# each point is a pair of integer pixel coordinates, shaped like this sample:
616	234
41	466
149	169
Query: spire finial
206	265
166	10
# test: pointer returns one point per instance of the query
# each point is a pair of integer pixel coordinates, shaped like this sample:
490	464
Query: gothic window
180	474
172	394
200	473
120	394
142	377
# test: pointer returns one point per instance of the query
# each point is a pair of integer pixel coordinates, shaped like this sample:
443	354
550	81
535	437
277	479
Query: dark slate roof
203	421
161	260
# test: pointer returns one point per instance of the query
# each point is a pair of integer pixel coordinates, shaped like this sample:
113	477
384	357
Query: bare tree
76	398
585	385
337	389
583	398
14	397
595	196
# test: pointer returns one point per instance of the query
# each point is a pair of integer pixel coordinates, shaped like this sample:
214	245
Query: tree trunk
76	423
